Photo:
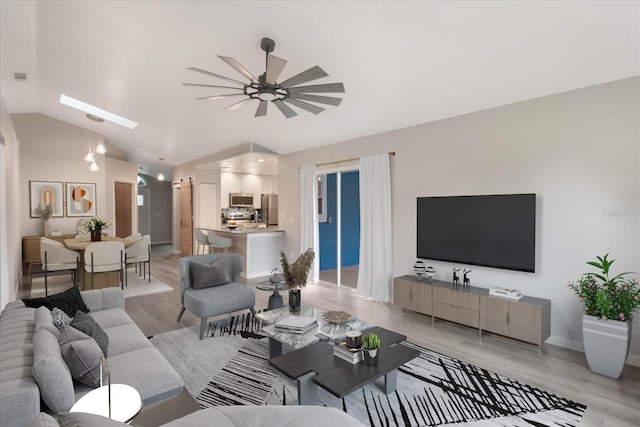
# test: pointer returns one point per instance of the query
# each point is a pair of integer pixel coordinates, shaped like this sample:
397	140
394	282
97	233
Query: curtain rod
391	153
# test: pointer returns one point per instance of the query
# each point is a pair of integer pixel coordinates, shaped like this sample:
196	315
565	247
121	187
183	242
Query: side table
125	402
275	300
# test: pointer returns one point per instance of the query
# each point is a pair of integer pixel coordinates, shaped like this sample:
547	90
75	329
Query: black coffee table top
338	376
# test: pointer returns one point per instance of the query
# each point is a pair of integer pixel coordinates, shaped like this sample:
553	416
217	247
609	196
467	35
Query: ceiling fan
265	88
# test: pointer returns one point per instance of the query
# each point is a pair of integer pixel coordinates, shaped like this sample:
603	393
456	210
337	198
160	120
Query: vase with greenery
95	226
295	276
44	214
609	304
371	347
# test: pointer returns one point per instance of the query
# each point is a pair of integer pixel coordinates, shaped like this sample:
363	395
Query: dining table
102	280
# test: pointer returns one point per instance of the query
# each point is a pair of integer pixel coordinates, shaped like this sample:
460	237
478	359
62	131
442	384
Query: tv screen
493	231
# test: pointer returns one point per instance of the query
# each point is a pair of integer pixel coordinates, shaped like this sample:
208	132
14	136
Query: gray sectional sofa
223	416
28	339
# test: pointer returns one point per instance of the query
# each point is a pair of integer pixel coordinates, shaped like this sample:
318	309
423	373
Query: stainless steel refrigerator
269	207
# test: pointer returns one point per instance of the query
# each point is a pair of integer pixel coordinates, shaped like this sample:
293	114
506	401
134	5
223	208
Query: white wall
578	151
10	240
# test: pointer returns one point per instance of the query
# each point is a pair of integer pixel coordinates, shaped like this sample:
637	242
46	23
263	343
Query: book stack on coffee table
296	324
351	355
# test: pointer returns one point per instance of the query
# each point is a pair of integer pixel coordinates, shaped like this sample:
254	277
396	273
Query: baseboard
633	360
167	242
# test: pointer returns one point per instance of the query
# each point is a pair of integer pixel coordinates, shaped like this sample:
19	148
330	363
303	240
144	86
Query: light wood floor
557	370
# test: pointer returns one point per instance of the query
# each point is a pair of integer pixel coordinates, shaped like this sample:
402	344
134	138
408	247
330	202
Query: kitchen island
259	247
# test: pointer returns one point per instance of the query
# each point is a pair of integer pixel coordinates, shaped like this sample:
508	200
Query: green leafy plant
94	224
296	273
371	342
43	213
612	298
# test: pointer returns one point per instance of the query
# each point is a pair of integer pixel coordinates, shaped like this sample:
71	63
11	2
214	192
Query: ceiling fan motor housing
267	45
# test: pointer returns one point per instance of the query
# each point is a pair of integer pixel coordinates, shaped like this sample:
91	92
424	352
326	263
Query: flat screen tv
493	230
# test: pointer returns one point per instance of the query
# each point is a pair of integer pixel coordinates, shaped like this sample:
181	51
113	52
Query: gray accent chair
215	300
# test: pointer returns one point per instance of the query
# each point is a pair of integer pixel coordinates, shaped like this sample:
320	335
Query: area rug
230	367
136	285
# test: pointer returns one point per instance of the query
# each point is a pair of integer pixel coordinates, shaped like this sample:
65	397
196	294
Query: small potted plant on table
95	227
371	347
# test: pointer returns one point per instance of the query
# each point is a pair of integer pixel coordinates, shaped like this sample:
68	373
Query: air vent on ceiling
21	77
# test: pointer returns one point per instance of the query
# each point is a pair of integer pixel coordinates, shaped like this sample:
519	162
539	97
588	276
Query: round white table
125	402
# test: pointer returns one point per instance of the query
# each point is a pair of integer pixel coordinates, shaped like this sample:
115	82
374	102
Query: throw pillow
60	318
68	301
205	276
82	419
81	354
85	323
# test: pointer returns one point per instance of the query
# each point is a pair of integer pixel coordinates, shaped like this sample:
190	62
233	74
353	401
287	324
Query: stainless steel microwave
241	200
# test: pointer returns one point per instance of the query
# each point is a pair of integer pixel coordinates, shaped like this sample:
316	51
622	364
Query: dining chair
102	257
217	242
139	253
203	240
56	257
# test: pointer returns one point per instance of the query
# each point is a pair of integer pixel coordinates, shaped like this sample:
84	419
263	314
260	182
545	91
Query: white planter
606	345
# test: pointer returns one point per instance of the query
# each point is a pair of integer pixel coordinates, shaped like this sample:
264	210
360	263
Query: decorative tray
336	317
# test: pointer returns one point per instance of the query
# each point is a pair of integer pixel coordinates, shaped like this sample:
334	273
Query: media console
528	319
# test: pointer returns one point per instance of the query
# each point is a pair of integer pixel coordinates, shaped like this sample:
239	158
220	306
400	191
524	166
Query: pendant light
100	149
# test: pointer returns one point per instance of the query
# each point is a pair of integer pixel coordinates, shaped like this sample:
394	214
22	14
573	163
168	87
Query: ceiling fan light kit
265	88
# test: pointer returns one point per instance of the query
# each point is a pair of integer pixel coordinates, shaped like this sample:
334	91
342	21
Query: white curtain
375	271
309	217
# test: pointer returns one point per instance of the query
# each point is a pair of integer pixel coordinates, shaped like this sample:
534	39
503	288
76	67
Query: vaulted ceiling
402	63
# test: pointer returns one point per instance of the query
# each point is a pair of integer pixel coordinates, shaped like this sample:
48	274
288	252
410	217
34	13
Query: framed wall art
81	199
43	193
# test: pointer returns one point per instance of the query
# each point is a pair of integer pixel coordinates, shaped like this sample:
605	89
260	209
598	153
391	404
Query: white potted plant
371	347
95	226
44	214
609	303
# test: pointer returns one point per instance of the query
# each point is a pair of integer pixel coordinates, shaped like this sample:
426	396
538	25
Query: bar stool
217	242
203	240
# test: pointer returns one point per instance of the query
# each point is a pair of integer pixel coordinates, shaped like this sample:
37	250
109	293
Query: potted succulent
295	276
95	226
609	303
44	214
371	347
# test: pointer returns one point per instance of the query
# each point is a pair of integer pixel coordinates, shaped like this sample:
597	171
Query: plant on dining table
94	225
608	298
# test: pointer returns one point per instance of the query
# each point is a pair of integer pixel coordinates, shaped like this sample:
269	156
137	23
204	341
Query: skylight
88	108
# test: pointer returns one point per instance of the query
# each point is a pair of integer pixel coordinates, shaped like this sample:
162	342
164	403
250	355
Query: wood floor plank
555	369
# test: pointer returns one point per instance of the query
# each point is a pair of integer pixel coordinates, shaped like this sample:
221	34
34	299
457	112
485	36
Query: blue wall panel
350	223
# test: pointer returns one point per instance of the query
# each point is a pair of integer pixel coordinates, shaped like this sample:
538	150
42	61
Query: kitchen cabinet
269	184
246	183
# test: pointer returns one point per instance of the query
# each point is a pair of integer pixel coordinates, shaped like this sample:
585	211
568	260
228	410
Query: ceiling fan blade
329	100
304	105
208	73
239	68
286	110
218	87
312	73
221	96
262	108
275	66
237	105
329	87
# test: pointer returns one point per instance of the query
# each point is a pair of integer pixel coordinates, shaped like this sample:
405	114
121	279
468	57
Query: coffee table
325	331
316	365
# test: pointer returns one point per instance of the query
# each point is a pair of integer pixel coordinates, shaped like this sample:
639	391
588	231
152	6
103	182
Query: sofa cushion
60	318
111	317
43	420
68	301
51	372
207	275
85	323
43	319
83	419
81	354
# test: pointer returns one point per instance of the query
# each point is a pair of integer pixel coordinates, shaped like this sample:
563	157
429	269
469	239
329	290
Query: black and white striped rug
432	390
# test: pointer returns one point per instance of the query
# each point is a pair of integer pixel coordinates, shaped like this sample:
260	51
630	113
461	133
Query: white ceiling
402	63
